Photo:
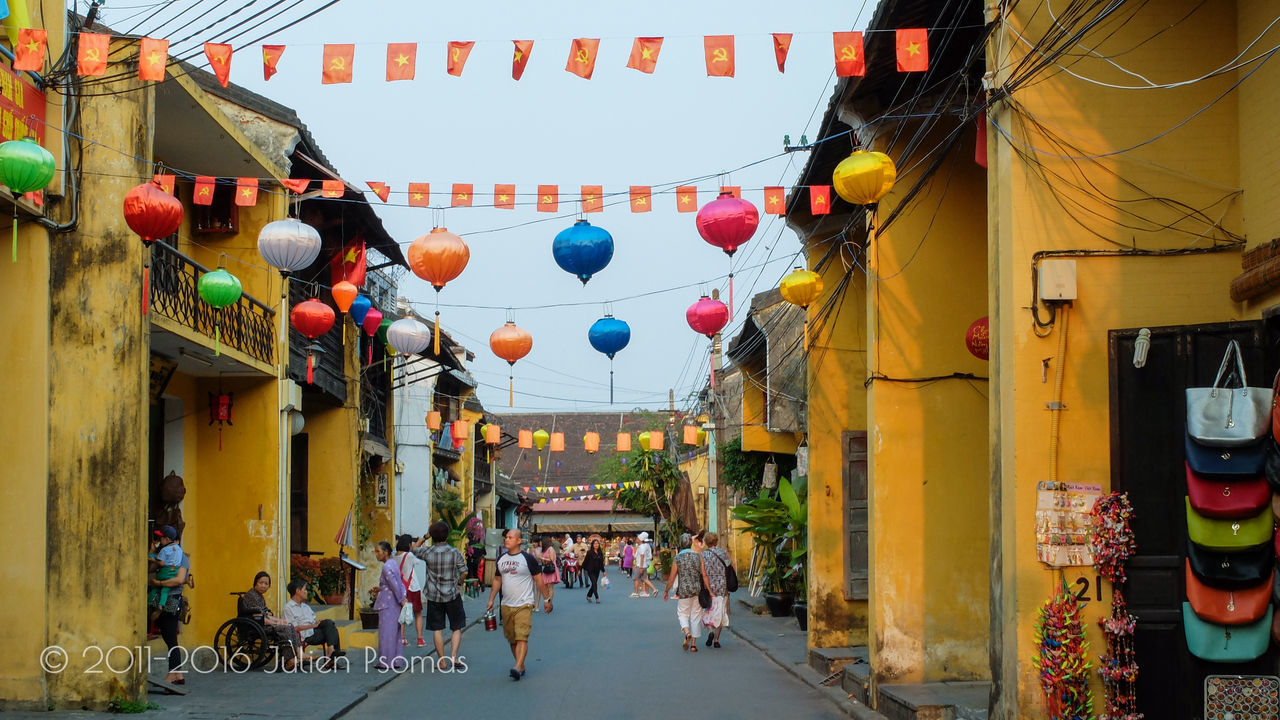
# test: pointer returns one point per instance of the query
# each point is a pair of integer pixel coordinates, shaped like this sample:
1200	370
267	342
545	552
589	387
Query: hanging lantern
438	257
656	439
801	288
978	339
728	223
25	166
219	289
702	437
609	335
591	442
344	294
433	420
220	411
624	442
458	431
152	213
511	342
524	440
359	306
372	321
312	318
645	441
492	433
864	177
381	335
540	438
583	249
708	317
557	442
408	336
289	245
690	435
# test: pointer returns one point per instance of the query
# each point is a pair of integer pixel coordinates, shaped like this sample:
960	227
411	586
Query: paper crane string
1063	658
1113	544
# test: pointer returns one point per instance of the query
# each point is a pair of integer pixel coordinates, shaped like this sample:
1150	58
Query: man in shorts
518	575
446	569
644	555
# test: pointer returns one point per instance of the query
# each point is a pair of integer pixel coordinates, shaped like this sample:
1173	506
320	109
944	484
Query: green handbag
1226	643
1228	534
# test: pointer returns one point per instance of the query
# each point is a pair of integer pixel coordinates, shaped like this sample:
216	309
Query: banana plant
781	525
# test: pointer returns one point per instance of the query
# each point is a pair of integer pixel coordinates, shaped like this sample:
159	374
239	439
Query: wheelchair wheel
242	645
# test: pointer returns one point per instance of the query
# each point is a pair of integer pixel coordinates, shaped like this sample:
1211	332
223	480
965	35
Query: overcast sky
620	128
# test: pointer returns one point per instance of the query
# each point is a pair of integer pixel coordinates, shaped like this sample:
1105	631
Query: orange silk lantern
492	434
557	442
624	442
690	434
344	293
433	420
511	342
591	441
458	431
525	440
656	440
438	257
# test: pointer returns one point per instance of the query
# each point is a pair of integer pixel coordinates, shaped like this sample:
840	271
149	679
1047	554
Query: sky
621	128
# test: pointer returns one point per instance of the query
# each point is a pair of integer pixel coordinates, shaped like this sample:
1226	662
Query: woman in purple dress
390	597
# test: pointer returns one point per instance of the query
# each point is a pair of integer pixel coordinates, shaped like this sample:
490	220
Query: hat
644	536
168	531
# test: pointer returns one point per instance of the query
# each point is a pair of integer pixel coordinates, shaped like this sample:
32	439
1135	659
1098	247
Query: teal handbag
1229	534
1226	643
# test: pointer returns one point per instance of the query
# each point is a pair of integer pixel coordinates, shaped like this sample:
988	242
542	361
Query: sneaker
404	642
635	595
420	643
644	594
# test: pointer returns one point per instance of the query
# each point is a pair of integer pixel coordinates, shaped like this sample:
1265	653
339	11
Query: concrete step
828	660
856	681
934	701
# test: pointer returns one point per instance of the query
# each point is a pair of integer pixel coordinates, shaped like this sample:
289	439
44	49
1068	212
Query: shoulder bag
1228	607
548	566
730	576
1228	534
1271	463
1236	497
1221	461
1227	417
1231	570
1226	643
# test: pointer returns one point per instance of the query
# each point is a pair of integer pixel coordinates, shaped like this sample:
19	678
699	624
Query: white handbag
1228	417
406	614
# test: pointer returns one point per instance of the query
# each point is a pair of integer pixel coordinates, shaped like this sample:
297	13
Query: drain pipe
1056	406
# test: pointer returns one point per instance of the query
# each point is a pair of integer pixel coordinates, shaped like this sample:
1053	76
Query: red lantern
372	321
978	339
220	412
312	318
728	222
152	213
708	317
458	431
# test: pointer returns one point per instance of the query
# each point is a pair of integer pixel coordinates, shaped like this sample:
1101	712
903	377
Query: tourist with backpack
721	580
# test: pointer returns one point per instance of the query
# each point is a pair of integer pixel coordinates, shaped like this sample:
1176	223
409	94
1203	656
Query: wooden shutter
854	473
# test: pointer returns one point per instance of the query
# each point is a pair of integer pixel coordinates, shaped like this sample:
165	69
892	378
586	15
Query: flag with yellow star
91	56
775	200
219	55
781	46
819	199
381	189
687	198
270	58
641	198
202	194
246	192
419	194
461	196
152	59
28	53
338	63
644	54
719	52
913	50
504	197
402	61
851	60
548	198
582	60
297	185
520	57
592	198
332	188
349	263
456	58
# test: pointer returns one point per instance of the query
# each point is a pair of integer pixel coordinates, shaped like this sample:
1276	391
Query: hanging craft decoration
408	336
540	438
524	440
690	436
591	442
583	249
801	288
219	289
152	213
864	177
433	420
978	339
344	295
25	166
1062	660
708	317
372	322
458	432
220	411
312	318
359	306
1112	543
511	342
438	257
624	442
288	246
610	336
728	222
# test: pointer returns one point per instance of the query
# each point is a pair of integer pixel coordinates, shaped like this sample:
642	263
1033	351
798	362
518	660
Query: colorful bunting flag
219	55
28	53
775	200
270	58
91	57
719	53
419	194
781	46
819	199
166	181
520	57
641	196
461	196
582	57
298	185
246	192
339	60
644	54
592	198
152	58
203	192
548	198
687	198
381	189
913	50
851	61
504	197
332	188
458	52
402	61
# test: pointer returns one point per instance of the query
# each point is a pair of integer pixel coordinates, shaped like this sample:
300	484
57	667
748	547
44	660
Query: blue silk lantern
609	335
583	249
359	308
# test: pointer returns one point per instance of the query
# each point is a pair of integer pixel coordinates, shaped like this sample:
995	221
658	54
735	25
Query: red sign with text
21	107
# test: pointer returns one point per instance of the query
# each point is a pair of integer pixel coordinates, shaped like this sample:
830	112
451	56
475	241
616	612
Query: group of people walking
700	565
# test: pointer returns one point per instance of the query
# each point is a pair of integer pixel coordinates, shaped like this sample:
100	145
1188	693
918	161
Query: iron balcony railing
247	326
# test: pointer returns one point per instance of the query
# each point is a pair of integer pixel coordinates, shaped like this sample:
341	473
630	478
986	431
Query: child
168	560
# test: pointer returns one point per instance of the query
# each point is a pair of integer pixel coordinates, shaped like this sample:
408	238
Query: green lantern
25	167
219	288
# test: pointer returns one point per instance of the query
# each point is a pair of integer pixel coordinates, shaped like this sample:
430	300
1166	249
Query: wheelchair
242	642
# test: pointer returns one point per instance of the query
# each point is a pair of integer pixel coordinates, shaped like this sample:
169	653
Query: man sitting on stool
300	615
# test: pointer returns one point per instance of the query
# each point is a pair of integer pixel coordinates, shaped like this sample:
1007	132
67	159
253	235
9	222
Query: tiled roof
574	466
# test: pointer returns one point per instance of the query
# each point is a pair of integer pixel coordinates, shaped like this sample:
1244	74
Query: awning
599	522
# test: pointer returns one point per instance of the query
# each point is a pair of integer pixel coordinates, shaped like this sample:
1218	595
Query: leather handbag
1226	643
1220	461
1271	462
1231	570
1220	416
1228	534
1227	497
1228	607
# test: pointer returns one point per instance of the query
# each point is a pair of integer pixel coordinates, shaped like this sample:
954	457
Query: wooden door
854	456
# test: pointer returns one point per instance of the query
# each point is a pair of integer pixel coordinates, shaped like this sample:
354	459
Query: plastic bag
604	581
406	614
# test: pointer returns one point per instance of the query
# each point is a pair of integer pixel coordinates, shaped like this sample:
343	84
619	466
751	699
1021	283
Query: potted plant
780	525
331	581
369	616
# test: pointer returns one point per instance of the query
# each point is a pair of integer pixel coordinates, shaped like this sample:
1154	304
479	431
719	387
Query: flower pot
335	599
779	604
369	619
801	611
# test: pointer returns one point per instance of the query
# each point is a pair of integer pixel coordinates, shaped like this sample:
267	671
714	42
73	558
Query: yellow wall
696	469
755	435
331	463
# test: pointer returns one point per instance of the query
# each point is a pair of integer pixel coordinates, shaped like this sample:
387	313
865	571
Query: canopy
584	522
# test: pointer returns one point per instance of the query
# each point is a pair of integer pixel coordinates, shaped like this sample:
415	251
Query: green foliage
744	471
128	707
447	503
659	480
781	525
449	511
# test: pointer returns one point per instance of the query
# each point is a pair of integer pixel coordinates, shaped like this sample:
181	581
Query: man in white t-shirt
640	579
518	574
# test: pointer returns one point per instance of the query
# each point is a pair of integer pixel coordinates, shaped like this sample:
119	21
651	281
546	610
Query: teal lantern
25	167
219	288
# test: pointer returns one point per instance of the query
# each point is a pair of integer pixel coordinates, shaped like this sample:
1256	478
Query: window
853	454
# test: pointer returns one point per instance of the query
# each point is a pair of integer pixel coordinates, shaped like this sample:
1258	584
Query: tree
658	480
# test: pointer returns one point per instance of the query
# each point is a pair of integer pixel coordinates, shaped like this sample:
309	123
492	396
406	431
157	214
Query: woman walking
715	562
691	577
391	595
594	565
550	567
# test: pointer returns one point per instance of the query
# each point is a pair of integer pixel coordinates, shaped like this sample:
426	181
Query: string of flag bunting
592	491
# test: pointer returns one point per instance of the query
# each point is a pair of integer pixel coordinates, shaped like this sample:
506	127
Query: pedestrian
170	614
689	577
550	565
643	556
391	596
593	564
281	634
303	619
628	557
715	561
445	566
407	564
518	574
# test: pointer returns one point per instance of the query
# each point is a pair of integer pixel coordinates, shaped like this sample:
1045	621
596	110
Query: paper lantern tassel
310	369
146	287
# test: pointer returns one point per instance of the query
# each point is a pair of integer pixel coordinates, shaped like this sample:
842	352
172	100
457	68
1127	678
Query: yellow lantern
591	441
864	177
801	288
540	438
702	436
644	441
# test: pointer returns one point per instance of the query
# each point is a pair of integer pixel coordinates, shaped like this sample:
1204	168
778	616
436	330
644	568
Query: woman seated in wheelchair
281	634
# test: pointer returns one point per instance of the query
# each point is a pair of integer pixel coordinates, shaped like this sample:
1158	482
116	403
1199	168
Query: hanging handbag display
1228	417
1229	534
1228	607
1227	497
1226	643
1231	570
1271	461
1220	461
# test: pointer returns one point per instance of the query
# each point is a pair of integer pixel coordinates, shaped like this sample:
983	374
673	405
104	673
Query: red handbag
1228	607
1233	498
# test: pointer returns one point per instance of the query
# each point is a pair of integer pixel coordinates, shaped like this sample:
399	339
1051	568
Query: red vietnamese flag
819	199
419	194
458	52
219	55
461	195
28	54
338	63
203	192
644	54
246	192
91	57
152	58
913	50
402	61
582	58
270	58
504	197
775	201
781	46
332	188
548	198
349	263
520	57
166	181
592	198
641	197
381	189
851	61
719	52
687	198
733	190
297	185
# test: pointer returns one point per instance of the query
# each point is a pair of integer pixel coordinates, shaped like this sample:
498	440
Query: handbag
1226	643
1242	697
1271	462
1220	461
1227	497
730	576
1228	607
1228	417
406	614
1228	534
704	599
1231	570
548	568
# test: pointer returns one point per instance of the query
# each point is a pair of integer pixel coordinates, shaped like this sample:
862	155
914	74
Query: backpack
172	489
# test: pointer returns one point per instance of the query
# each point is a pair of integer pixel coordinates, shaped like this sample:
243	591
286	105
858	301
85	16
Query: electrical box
1057	280
293	396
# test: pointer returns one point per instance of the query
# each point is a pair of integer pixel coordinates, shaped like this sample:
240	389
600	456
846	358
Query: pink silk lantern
708	317
728	222
372	321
